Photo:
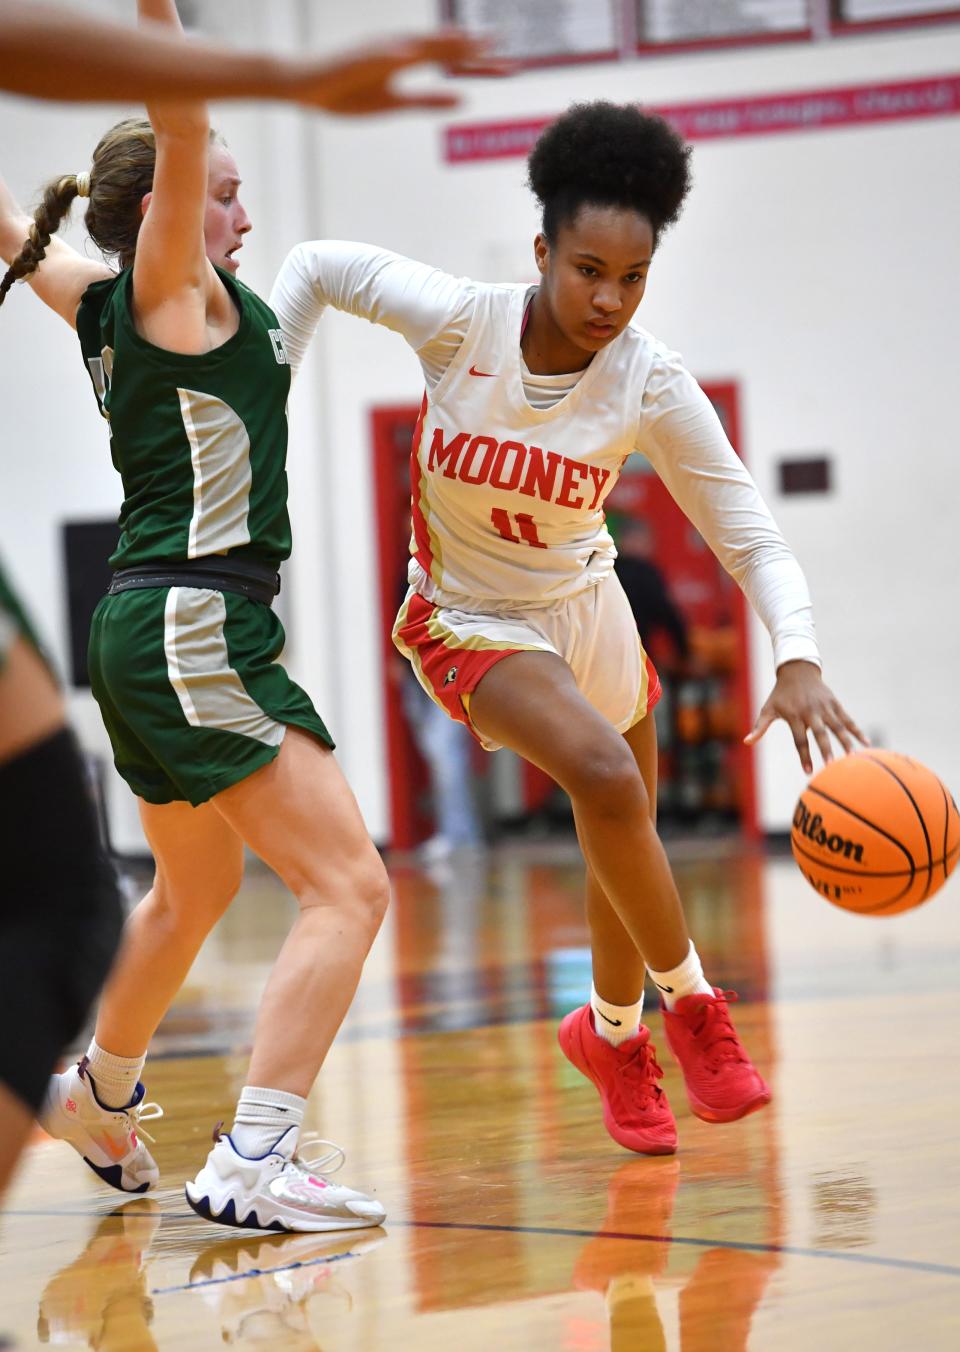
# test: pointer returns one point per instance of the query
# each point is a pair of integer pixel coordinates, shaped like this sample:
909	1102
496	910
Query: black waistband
245	577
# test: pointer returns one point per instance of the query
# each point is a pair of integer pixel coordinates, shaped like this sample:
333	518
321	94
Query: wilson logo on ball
811	825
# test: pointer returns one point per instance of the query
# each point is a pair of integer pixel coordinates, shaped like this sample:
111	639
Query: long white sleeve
682	437
427	307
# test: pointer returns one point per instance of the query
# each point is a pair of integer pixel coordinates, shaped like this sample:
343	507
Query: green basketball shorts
191	691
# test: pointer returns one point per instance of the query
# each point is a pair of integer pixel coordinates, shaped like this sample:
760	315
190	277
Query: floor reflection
717	1299
259	1289
513	1220
101	1297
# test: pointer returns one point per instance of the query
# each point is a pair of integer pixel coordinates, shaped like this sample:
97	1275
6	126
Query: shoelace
643	1070
327	1162
138	1111
150	1111
715	1028
323	1164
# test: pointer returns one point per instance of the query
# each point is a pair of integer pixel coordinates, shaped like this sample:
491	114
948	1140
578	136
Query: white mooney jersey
507	498
510	470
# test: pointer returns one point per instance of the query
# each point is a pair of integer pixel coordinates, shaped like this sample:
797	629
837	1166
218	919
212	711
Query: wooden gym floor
830	1221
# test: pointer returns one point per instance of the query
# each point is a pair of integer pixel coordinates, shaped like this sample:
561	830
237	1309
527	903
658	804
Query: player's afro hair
609	154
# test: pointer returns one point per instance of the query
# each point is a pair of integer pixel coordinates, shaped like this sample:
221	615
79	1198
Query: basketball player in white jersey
535	397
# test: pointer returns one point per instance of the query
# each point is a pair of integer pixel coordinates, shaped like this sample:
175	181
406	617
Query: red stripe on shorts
654	688
451	672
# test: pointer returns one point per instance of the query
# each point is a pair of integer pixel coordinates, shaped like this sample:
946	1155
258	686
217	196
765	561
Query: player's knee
360	892
354	883
372	891
606	782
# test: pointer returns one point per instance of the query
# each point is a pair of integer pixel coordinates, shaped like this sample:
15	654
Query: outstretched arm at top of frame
51	52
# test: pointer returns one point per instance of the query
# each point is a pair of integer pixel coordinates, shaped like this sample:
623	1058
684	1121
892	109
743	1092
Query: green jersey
200	442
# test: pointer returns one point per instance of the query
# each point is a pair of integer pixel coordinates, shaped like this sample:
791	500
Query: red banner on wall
760	116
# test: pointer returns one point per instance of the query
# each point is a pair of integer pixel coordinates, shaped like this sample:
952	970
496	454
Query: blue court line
254	1272
791	1250
561	1232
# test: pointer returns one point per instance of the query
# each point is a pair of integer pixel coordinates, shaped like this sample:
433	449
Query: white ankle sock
615	1023
115	1076
263	1115
685	979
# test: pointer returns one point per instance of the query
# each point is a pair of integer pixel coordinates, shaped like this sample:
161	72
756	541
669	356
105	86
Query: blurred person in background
647	590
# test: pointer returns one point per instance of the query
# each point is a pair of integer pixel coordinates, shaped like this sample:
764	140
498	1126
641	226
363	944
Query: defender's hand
802	700
363	81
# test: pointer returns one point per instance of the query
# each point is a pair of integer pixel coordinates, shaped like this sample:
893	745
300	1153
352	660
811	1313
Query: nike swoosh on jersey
475	372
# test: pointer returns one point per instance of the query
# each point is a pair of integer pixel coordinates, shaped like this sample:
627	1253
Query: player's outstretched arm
50	52
806	704
362	82
171	264
421	303
687	446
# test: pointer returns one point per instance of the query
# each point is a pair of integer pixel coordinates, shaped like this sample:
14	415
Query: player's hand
805	704
363	81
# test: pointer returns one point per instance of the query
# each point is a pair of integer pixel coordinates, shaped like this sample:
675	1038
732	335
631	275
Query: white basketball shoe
280	1190
106	1137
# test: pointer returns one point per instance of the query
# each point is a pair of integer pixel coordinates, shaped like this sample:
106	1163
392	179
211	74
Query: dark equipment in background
87	545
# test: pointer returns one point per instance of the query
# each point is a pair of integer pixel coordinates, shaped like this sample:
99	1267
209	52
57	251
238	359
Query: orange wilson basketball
876	832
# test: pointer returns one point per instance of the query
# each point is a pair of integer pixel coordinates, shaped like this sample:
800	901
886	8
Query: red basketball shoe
721	1081
635	1109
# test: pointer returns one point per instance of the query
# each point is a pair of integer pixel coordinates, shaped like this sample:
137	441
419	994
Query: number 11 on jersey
525	525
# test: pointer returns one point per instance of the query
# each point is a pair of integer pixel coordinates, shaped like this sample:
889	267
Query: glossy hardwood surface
831	1220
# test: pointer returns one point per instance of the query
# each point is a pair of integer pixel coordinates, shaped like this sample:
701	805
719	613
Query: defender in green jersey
70	927
222	749
187	677
205	473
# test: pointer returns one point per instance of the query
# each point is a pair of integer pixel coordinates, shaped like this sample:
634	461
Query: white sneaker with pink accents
279	1191
107	1138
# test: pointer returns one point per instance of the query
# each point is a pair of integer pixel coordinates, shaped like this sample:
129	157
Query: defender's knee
359	891
371	888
